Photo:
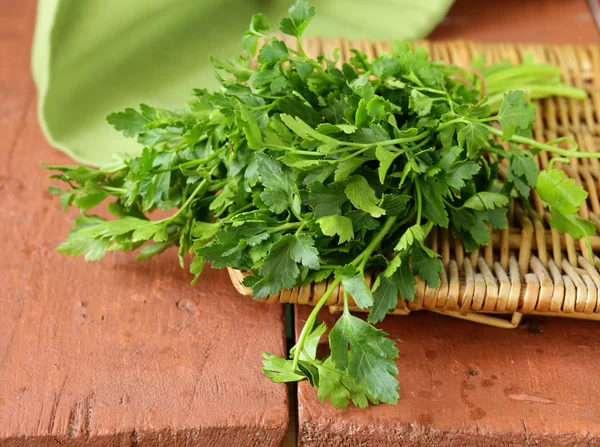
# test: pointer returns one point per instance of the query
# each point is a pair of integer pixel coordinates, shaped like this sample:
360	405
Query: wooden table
113	353
529	21
465	384
117	353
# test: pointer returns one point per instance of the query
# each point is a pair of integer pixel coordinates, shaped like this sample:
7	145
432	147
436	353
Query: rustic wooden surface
465	384
113	353
462	383
530	21
121	354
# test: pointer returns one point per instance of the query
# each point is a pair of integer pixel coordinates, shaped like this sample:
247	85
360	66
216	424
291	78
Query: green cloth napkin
94	57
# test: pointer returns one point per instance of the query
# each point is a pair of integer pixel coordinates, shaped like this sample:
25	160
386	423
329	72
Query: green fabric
93	57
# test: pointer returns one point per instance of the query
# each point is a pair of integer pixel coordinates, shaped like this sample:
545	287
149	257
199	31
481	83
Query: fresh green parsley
300	169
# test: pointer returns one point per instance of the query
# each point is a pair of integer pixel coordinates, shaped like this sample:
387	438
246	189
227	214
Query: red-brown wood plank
529	21
113	353
464	384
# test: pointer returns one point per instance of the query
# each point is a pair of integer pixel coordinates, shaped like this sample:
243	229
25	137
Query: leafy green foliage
362	196
296	171
370	359
354	284
300	15
523	172
486	200
473	136
278	182
560	192
337	225
281	266
516	113
130	121
385	299
564	197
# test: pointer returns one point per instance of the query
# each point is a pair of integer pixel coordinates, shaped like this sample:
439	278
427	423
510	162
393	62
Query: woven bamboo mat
528	268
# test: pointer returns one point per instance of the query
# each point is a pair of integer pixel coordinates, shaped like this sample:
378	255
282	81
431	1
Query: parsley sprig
298	170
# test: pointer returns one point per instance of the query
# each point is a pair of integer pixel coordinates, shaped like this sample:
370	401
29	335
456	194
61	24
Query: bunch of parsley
299	170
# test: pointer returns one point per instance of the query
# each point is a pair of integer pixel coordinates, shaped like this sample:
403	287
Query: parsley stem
266	97
347	146
419	200
287	226
572	152
354	154
497	151
301	49
302	152
114	191
535	91
192	163
310	322
297	215
420	144
300	228
238	211
447	123
361	260
301	53
450	204
182	208
541	91
392	142
115	169
518	71
445	96
270	105
399	224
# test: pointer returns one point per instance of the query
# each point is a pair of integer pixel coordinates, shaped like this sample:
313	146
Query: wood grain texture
113	353
527	21
463	383
468	384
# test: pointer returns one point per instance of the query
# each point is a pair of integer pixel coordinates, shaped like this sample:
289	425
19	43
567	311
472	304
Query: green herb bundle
300	169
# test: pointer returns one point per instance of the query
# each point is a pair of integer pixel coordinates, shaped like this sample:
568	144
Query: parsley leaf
559	191
280	267
368	355
433	205
486	200
337	225
77	245
279	369
354	283
523	172
427	266
515	113
347	167
386	158
300	14
574	225
473	136
362	196
420	103
130	121
385	298
338	387
326	200
279	182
